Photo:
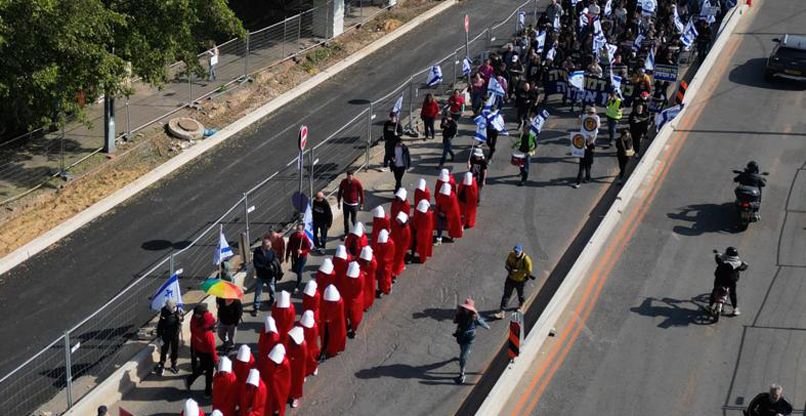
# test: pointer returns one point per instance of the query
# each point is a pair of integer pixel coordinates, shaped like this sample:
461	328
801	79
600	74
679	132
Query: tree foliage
54	50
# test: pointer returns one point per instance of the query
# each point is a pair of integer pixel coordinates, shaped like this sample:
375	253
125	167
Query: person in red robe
401	235
311	330
191	408
244	362
340	262
379	222
445	177
356	240
447	213
326	275
385	255
421	192
368	267
225	388
298	358
468	200
284	315
276	373
311	298
354	298
423	233
253	396
400	203
334	329
269	337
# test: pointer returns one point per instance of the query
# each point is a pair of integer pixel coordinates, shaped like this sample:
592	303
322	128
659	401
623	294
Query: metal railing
86	353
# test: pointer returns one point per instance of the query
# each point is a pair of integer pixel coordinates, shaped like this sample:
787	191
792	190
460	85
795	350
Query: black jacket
322	215
727	274
169	324
406	156
267	266
761	406
392	132
449	128
750	179
229	314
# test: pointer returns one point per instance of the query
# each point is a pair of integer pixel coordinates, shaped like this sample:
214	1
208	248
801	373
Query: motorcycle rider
751	177
728	268
770	404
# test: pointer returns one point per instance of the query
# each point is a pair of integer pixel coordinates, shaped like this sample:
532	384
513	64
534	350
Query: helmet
731	251
752	166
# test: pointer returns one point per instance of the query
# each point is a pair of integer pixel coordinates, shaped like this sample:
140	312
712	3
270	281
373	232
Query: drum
518	159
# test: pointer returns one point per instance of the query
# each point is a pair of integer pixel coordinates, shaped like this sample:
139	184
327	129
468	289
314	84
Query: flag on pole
434	76
488	105
706	5
495	88
467	66
648	7
689	35
551	54
496	121
169	290
307	219
521	19
666	116
222	250
538	121
541	41
636	45
556	23
398	105
481	129
678	24
577	79
615	84
608	8
583	18
649	64
611	52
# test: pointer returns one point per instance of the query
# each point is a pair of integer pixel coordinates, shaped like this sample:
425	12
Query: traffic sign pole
303	140
467	44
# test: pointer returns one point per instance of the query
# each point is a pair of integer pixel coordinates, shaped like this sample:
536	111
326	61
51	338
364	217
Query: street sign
303	136
467	24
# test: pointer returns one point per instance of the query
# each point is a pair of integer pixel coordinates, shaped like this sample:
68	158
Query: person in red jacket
448	214
400	203
244	362
354	298
276	373
379	222
468	200
340	262
429	113
311	298
298	358
422	192
284	315
352	194
225	388
444	176
401	235
385	255
325	276
277	244
253	396
311	330
423	233
356	240
297	251
368	267
191	408
334	329
456	105
269	337
202	348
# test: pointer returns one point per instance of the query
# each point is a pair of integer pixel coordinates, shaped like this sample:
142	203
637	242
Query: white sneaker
736	312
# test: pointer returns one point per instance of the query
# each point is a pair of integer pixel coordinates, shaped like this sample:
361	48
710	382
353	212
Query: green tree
54	50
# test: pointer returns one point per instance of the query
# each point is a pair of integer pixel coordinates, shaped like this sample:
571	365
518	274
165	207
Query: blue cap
518	249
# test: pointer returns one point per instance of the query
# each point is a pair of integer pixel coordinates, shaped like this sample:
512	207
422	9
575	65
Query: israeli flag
481	129
636	45
169	290
678	24
574	2
599	42
495	88
541	41
577	79
583	18
467	66
648	7
521	19
434	76
615	84
608	8
611	52
222	250
551	54
488	105
307	219
496	121
708	18
538	121
666	116
597	27
398	105
556	23
649	64
689	35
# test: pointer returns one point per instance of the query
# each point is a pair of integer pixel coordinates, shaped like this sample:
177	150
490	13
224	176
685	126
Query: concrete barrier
498	396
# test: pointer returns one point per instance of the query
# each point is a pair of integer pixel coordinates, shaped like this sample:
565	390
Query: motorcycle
748	203
719	297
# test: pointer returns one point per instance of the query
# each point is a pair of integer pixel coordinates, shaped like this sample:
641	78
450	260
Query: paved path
646	347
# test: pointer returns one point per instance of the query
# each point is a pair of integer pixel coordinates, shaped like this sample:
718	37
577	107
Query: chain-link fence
88	352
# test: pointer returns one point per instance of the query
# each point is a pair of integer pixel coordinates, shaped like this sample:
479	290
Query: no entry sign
303	136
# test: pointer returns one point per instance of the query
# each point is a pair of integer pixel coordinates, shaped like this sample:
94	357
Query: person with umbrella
467	319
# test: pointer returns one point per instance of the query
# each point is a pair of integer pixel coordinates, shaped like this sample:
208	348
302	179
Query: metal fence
87	352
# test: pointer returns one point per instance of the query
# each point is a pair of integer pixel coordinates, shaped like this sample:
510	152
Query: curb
72	224
494	402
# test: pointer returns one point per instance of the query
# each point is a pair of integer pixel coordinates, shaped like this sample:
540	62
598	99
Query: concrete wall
328	18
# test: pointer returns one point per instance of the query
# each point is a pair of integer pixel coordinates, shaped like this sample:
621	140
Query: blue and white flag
398	105
689	35
488	105
608	8
599	42
649	64
222	250
481	129
434	76
648	7
707	17
540	39
169	290
307	219
551	54
521	19
556	23
495	88
496	121
611	52
577	79
583	18
574	2
615	84
636	45
678	24
666	116
467	66
538	121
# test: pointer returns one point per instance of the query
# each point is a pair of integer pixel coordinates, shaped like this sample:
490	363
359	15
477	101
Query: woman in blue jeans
466	320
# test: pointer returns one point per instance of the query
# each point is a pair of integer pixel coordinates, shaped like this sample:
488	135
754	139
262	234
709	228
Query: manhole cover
188	125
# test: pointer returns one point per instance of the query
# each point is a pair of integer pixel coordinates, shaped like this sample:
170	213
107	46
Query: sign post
515	335
303	140
467	44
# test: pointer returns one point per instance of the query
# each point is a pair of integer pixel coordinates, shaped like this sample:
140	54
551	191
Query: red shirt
429	110
456	103
351	192
298	246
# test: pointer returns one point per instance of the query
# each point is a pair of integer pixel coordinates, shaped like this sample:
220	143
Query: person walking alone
392	133
428	114
230	312
322	221
449	129
351	199
639	121
614	113
586	161
297	252
624	152
267	270
212	61
168	328
519	268
467	319
400	163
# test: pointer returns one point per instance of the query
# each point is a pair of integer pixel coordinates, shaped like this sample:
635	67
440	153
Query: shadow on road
751	74
425	373
677	312
706	218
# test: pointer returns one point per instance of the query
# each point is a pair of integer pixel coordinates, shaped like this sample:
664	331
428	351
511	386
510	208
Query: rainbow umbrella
222	289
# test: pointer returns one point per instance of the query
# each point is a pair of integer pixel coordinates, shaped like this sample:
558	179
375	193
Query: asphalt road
647	347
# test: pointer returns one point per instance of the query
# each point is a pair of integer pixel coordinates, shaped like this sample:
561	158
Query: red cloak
311	303
225	392
334	329
297	356
253	400
312	345
468	203
354	301
368	269
241	369
340	268
323	281
379	224
284	318
451	181
450	205
399	206
278	385
385	255
355	243
423	224
265	343
420	195
401	235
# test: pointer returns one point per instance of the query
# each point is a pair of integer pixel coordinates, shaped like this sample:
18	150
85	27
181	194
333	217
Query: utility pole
109	120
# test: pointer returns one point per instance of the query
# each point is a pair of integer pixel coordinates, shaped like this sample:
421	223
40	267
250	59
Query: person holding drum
526	146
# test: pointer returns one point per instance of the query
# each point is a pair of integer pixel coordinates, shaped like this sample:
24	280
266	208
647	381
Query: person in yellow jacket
519	268
614	113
